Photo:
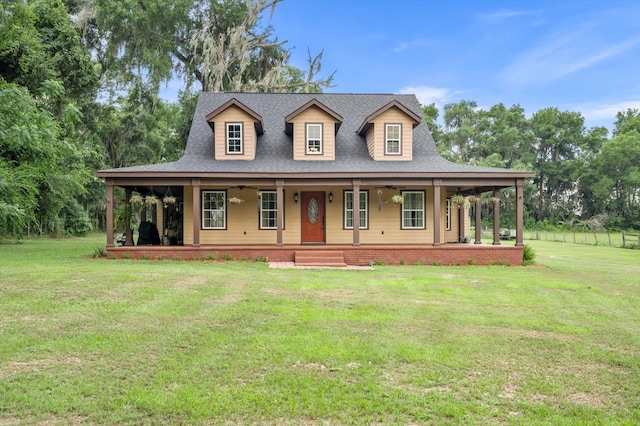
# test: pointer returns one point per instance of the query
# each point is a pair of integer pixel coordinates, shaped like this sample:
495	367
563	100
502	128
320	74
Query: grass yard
86	341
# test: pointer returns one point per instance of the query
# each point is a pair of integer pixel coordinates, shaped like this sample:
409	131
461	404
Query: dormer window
314	138
392	137
234	138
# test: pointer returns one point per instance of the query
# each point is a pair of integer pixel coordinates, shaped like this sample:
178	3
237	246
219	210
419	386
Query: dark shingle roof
274	153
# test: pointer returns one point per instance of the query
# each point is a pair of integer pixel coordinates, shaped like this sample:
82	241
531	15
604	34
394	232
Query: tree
507	133
218	43
459	137
614	174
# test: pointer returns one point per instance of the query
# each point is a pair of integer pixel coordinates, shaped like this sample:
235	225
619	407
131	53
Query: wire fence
611	239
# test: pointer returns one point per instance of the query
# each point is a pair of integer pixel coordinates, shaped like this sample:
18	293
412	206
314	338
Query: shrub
145	256
528	255
212	256
99	251
227	256
161	257
126	255
471	262
177	258
260	259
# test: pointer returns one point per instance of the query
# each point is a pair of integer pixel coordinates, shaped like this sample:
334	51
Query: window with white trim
413	210
348	209
314	138
448	214
392	138
234	138
214	211
268	210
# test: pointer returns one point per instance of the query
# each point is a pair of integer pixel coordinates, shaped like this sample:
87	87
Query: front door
313	219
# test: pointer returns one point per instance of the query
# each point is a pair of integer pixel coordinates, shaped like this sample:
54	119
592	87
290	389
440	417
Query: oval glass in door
313	210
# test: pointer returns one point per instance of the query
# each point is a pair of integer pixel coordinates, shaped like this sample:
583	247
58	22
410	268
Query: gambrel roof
274	156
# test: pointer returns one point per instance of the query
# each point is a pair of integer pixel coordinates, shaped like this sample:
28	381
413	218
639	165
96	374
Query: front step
334	258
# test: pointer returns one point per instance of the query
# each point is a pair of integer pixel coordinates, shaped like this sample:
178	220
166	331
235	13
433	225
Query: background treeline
583	177
79	91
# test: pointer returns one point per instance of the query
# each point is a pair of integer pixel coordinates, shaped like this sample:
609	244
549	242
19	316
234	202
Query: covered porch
380	238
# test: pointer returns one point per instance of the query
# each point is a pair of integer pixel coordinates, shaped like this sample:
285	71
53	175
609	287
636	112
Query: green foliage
528	255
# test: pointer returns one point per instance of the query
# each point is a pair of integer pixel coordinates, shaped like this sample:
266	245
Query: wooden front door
313	220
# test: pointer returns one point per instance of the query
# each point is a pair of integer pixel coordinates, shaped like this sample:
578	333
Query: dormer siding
313	116
377	133
231	116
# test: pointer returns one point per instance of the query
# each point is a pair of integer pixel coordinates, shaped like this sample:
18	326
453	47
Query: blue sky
575	55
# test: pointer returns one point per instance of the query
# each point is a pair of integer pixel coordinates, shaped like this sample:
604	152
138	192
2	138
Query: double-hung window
234	138
348	209
413	210
268	210
392	139
214	212
314	139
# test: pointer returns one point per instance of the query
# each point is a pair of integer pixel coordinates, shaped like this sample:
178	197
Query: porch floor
363	255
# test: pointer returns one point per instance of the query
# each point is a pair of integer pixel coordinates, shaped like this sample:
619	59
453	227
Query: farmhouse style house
316	179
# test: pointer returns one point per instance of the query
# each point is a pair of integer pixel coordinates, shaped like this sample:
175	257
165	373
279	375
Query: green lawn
101	341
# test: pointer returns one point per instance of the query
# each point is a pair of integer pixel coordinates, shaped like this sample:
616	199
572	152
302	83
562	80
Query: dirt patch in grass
17	367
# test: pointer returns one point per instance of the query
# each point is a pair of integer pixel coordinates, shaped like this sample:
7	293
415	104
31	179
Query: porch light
295	198
331	197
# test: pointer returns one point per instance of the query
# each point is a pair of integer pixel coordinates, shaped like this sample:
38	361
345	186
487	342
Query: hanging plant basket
397	199
235	200
458	199
150	200
494	200
169	200
472	199
136	200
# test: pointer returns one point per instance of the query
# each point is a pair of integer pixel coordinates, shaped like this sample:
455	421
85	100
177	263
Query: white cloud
503	15
562	56
593	111
404	45
427	95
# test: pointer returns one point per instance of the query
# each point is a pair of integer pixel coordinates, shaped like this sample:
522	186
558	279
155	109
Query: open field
96	341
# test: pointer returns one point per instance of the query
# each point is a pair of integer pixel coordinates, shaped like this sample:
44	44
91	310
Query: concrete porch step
334	258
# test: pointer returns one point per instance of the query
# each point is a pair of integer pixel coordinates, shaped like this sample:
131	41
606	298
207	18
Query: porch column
128	232
109	213
496	219
437	200
478	221
197	213
280	210
519	212
356	212
461	223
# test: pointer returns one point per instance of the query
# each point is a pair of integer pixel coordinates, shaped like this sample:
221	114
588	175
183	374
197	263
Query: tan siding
377	131
312	116
371	142
384	224
235	115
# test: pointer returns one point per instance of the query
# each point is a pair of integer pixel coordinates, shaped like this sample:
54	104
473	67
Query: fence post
623	241
596	237
609	236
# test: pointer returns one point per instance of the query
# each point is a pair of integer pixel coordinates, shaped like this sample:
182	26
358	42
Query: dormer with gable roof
236	128
389	132
313	128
